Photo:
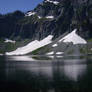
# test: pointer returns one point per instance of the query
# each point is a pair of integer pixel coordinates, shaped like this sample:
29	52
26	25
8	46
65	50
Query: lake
23	73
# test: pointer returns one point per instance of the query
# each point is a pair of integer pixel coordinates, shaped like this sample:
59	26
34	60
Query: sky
7	6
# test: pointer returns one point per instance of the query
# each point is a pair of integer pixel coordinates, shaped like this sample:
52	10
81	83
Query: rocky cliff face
8	23
52	17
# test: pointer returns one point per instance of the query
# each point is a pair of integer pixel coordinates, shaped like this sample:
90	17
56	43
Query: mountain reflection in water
63	75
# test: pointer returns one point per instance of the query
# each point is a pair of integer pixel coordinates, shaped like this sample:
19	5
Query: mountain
51	17
68	44
8	23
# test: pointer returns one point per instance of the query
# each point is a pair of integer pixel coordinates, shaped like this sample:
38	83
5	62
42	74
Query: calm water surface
22	73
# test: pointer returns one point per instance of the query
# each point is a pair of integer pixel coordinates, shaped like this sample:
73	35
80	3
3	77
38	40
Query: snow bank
9	41
31	46
74	38
50	53
30	13
55	45
58	53
49	17
54	2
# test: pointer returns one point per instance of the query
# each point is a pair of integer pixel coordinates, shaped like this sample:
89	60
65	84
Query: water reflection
65	75
20	58
72	68
33	58
74	72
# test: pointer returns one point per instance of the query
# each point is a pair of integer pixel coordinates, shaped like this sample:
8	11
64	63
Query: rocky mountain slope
67	44
51	17
8	23
57	18
70	44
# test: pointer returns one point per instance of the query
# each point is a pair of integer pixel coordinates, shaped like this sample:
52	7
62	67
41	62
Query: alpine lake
43	74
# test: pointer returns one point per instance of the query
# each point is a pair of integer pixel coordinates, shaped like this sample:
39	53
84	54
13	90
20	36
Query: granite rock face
49	18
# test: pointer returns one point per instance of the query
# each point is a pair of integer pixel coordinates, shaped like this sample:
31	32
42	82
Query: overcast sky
7	6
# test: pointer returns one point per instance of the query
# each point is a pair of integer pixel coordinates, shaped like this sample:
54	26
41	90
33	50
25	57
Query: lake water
24	74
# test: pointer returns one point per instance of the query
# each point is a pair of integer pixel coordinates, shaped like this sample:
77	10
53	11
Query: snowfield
31	46
54	2
74	38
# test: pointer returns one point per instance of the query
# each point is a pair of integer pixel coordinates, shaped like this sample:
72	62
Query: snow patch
9	41
30	13
55	45
58	53
39	17
31	46
50	53
54	2
49	17
74	38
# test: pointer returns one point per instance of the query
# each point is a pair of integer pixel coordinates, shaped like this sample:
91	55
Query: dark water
21	74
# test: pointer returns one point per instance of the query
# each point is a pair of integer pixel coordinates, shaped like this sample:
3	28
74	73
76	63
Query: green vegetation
41	50
28	20
89	40
8	47
42	20
83	50
70	52
35	52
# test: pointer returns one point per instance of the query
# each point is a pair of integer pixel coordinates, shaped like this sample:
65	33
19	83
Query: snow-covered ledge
49	17
74	38
31	46
30	13
9	41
